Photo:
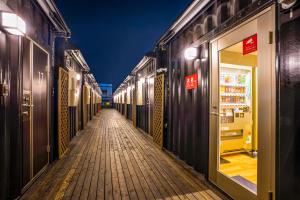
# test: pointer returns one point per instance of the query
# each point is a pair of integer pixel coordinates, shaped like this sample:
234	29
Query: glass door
242	112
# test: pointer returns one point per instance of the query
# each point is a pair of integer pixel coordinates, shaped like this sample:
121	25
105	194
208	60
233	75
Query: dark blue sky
113	35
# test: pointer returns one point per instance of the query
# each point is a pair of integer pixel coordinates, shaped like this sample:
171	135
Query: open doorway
242	109
238	115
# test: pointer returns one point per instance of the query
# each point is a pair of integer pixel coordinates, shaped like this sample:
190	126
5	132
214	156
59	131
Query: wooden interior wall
63	112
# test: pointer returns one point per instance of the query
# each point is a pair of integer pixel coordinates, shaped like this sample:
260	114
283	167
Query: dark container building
241	54
230	95
28	33
135	96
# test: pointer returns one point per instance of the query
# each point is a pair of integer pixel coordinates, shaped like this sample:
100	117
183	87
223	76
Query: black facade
17	107
145	94
288	177
188	111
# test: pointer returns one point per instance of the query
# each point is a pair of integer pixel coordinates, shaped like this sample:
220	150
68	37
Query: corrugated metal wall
288	138
188	112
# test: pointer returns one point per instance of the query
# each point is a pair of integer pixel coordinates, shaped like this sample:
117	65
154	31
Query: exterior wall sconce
150	81
78	77
190	53
286	4
13	24
142	80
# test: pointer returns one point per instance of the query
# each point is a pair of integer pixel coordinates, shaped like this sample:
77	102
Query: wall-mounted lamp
13	24
191	53
151	81
287	4
142	80
76	93
78	77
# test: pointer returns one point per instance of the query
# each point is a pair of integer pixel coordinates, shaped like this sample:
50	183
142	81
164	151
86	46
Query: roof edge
53	13
195	7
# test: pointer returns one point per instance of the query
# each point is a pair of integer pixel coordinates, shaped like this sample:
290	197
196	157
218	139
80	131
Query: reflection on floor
241	167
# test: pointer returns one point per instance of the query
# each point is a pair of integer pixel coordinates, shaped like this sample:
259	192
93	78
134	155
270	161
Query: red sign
191	82
250	44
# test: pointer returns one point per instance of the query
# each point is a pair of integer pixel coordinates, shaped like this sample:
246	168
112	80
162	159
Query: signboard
250	44
191	82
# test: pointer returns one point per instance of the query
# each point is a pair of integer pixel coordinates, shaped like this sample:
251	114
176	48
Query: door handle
25	113
27	105
215	113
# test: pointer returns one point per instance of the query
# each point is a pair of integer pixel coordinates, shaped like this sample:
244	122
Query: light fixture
151	80
287	4
13	24
78	77
191	53
76	93
142	80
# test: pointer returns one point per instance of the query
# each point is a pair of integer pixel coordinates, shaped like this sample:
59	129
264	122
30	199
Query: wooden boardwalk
113	160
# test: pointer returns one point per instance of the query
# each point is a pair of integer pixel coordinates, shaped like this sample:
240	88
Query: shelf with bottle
231	89
234	105
233	94
232	99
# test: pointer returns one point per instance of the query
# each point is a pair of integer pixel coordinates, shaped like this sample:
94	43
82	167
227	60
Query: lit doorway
238	115
242	109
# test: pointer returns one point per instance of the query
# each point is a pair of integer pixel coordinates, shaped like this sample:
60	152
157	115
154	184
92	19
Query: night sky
113	35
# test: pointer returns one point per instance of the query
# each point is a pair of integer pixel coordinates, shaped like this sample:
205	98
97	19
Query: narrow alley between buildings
113	160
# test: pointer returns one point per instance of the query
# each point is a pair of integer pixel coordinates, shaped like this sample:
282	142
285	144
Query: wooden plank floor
113	160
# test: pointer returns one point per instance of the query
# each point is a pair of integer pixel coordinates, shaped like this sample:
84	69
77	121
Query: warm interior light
78	77
191	53
13	24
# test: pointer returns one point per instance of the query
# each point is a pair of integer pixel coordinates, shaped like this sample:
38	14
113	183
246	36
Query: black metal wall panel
288	138
129	111
188	112
142	112
4	109
14	116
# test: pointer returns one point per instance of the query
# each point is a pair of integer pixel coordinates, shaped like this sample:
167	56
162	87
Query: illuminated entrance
238	114
242	109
